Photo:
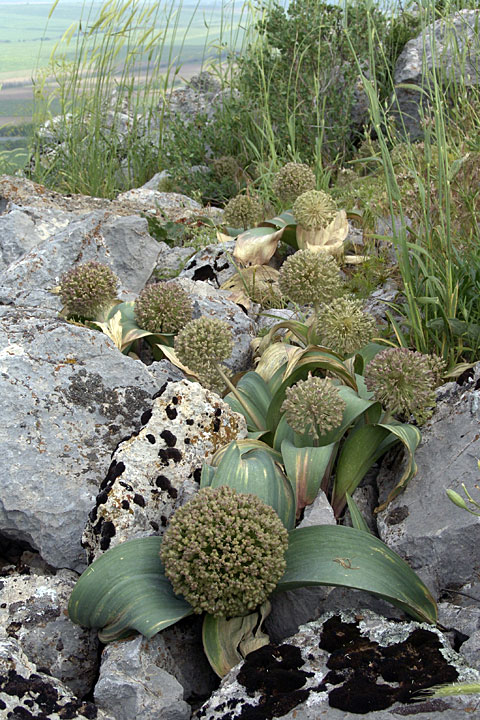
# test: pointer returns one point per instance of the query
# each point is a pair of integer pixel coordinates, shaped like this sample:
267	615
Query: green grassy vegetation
290	78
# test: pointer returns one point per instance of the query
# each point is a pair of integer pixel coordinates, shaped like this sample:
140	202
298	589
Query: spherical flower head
292	180
224	551
404	381
344	326
313	405
164	307
225	167
204	342
314	209
242	211
308	277
87	288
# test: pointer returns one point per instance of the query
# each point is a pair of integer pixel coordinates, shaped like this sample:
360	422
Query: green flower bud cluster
314	209
242	211
224	551
344	326
87	288
163	307
404	381
201	345
225	166
313	405
308	277
292	180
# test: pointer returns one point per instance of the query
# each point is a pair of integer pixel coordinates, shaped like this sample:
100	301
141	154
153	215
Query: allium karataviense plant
242	211
344	326
307	277
87	289
404	381
314	209
231	554
202	345
163	307
313	405
292	180
224	551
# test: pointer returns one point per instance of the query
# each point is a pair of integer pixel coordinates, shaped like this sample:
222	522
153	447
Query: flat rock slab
68	396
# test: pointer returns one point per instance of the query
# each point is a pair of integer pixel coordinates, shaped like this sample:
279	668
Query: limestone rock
211	302
439	540
33	612
123	243
213	264
26	692
132	685
21	229
343	665
450	46
158	469
68	396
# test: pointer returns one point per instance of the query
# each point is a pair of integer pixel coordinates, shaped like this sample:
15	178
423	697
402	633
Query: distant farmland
28	39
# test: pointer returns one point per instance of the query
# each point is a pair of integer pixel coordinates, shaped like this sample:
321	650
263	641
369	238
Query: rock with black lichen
33	613
158	469
29	694
342	666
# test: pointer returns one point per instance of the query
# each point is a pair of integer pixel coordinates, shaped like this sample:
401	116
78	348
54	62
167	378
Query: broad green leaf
255	472
344	556
126	589
305	468
255	399
359	452
228	641
356	516
410	436
244	445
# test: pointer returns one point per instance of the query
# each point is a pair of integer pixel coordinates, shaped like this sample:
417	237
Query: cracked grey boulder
342	666
158	469
450	47
68	397
439	540
211	302
27	692
33	612
123	243
22	228
133	685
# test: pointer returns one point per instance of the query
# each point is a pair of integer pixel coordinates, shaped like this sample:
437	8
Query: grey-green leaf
344	556
125	590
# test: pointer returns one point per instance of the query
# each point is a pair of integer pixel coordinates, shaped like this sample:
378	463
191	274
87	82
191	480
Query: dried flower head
292	180
201	345
87	288
224	551
308	277
313	405
404	381
344	326
164	307
314	209
242	211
